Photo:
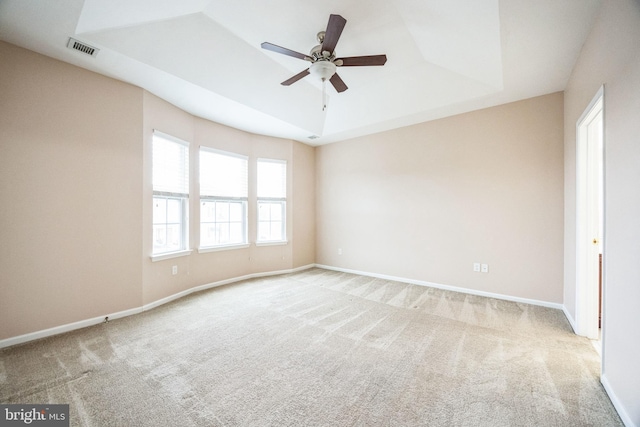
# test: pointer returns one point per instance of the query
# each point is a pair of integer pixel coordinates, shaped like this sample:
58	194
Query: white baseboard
570	318
221	283
626	419
447	287
21	339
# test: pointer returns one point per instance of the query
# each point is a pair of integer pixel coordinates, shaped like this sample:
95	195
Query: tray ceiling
445	57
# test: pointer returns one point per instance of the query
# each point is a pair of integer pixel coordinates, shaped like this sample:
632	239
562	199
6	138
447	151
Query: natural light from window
272	200
170	177
223	198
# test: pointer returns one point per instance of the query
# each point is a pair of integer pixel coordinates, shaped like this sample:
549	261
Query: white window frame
242	200
271	201
160	194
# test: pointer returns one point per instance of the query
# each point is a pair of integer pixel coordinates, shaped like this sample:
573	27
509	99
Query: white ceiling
445	57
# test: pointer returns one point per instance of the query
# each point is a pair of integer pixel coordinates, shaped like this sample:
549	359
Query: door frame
589	196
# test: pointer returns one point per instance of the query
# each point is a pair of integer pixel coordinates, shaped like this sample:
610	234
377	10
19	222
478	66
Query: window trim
169	255
272	243
205	249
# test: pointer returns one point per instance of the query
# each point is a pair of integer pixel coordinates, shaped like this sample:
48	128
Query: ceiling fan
323	56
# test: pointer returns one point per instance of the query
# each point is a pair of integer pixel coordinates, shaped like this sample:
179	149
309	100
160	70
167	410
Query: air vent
313	137
82	47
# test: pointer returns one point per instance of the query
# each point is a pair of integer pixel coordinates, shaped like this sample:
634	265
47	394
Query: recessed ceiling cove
444	57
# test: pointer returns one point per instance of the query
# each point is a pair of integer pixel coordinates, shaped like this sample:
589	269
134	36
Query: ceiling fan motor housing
323	56
318	54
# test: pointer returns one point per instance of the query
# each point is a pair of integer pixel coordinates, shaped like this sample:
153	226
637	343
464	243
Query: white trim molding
56	330
273	243
570	318
624	416
169	255
447	287
220	283
21	339
206	249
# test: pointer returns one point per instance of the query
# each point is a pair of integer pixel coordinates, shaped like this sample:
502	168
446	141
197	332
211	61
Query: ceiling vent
82	47
313	137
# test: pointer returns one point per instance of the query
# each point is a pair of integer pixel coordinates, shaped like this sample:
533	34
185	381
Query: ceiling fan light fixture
324	70
323	57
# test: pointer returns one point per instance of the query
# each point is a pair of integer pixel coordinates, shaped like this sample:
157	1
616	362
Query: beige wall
611	56
70	193
75	150
427	201
304	209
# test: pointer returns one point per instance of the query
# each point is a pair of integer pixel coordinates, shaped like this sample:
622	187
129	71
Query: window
272	200
223	198
170	165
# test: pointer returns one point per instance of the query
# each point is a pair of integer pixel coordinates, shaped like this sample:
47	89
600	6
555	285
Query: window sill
222	248
274	243
170	255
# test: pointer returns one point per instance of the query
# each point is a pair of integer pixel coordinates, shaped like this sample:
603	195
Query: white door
589	216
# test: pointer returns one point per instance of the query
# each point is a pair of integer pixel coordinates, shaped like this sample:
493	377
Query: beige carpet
318	348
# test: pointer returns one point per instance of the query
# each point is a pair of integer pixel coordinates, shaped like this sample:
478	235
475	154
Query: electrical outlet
476	267
174	270
339	251
485	268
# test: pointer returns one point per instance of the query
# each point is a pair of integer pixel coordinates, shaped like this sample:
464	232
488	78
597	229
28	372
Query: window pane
208	235
222	212
223	175
223	233
235	233
272	178
174	211
159	210
276	211
271	223
170	174
207	212
236	211
272	184
174	237
264	230
276	231
264	211
159	236
170	165
222	223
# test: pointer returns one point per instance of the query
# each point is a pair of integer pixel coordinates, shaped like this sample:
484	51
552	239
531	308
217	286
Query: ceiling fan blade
337	83
359	61
295	78
283	50
332	34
